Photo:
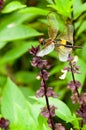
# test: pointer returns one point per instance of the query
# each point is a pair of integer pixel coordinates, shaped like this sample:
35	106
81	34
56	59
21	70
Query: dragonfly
63	44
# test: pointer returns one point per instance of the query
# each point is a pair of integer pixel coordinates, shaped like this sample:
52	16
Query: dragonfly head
42	41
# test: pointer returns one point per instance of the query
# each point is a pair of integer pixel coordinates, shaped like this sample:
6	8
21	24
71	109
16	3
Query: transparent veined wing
52	25
68	33
46	50
63	53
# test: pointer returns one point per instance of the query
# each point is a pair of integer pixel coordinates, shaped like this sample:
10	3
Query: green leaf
14	105
81	77
10	23
56	69
2	44
81	29
50	1
17	32
40	121
75	122
84	127
25	77
29	14
22	15
79	8
17	51
64	7
34	10
62	110
2	81
43	123
12	6
83	52
27	91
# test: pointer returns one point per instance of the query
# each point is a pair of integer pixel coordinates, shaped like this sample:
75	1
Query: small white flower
63	76
38	77
75	59
11	25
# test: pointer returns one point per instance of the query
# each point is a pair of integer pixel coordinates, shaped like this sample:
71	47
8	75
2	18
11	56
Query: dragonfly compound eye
42	41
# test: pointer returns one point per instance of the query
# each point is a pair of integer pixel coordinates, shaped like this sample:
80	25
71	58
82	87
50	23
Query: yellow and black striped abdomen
63	51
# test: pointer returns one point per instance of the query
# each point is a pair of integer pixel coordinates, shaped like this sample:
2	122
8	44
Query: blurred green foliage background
22	23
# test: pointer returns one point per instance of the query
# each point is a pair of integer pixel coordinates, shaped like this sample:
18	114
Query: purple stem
47	103
74	80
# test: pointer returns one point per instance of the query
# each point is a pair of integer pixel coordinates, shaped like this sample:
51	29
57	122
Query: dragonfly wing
68	33
52	25
46	50
63	53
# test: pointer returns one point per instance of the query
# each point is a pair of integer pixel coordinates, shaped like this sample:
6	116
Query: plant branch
73	77
47	103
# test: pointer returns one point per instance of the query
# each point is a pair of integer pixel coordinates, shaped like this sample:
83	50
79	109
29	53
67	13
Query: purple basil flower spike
4	123
34	50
